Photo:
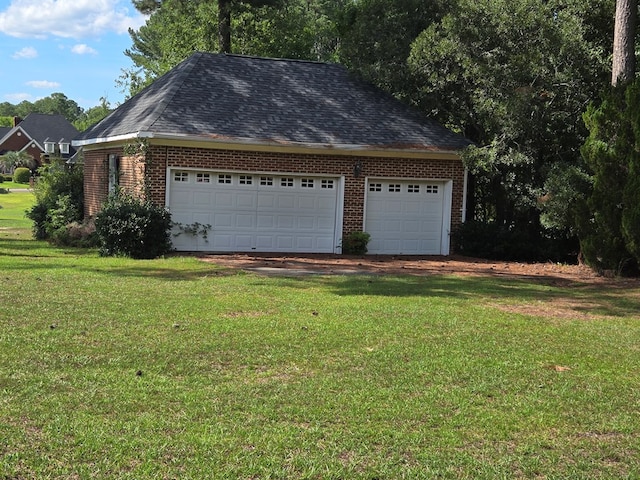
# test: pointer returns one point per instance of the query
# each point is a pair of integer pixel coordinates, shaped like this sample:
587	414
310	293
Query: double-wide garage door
254	212
408	217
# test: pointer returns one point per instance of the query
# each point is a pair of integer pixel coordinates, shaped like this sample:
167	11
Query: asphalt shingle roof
41	127
238	98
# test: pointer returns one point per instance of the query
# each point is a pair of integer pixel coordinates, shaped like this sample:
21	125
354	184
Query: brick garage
392	145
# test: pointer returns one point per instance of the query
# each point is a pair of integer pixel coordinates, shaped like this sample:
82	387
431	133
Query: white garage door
408	217
254	212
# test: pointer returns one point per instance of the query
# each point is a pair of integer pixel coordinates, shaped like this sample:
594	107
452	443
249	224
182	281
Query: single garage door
254	212
408	217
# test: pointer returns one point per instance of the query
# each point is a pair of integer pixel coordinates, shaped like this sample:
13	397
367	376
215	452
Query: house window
50	147
431	188
286	182
394	187
413	188
64	148
226	179
307	183
375	187
203	178
266	181
328	184
181	177
246	180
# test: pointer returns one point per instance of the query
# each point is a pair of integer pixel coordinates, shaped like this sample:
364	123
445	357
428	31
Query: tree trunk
624	55
224	25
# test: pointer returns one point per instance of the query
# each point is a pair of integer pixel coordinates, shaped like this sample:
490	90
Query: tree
296	29
514	77
93	115
375	38
624	55
609	217
12	160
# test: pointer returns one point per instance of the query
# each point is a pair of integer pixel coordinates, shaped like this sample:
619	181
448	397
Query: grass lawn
174	368
12	185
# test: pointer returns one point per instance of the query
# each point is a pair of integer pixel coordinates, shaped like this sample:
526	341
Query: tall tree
624	52
225	8
303	29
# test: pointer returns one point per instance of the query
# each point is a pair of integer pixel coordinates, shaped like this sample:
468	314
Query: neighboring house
281	156
40	135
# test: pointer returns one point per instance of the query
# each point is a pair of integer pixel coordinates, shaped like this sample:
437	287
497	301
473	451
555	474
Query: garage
408	217
259	212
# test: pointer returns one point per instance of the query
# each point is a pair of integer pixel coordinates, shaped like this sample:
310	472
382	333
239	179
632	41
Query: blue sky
71	46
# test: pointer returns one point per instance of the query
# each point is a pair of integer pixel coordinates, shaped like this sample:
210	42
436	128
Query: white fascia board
249	143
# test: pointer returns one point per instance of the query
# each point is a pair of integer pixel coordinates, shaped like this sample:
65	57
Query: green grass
174	368
12	185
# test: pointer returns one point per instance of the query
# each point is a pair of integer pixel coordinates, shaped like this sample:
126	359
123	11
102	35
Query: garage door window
306	183
326	184
226	179
375	187
413	188
286	182
394	188
266	181
431	188
203	178
181	177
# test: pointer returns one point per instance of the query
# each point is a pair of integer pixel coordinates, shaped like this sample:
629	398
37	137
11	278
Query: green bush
1	178
59	199
355	243
21	175
129	226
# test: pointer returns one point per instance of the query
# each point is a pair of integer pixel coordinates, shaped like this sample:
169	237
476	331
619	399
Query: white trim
447	201
266	144
465	186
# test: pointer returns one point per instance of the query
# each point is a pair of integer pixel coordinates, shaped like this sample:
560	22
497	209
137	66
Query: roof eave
217	141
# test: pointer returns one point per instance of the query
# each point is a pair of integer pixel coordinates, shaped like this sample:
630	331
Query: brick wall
161	157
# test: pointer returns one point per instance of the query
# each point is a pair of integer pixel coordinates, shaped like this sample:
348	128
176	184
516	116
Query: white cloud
26	52
83	49
18	97
68	18
43	84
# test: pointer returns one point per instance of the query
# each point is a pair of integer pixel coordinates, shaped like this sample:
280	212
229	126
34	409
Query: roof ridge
277	59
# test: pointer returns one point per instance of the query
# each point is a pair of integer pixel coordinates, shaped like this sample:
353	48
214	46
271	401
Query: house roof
42	127
240	99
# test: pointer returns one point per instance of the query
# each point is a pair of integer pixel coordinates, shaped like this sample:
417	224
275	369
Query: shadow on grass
612	300
543	297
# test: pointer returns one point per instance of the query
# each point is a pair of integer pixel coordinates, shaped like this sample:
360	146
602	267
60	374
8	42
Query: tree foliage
515	76
609	217
270	28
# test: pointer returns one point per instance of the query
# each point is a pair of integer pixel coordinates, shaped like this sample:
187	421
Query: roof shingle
238	98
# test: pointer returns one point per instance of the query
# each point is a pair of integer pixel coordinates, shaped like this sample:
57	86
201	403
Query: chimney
16	121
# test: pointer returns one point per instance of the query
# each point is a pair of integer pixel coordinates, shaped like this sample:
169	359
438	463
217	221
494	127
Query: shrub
21	175
355	243
129	226
59	199
1	178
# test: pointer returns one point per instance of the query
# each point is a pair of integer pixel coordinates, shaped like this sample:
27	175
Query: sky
75	47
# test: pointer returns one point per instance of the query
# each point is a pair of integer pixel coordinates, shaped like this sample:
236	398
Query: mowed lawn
175	368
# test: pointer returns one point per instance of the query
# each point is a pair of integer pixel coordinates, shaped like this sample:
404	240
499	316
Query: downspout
464	195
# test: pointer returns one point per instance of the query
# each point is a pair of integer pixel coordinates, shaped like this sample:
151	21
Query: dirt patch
407	265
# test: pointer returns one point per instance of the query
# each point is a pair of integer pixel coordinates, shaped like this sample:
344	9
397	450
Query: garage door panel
255	212
405	217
